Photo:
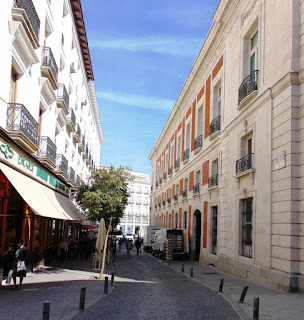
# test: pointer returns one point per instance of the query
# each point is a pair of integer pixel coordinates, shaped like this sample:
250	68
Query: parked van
149	236
168	240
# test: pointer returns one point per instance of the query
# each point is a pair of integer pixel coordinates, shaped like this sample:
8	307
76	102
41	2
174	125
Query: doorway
198	232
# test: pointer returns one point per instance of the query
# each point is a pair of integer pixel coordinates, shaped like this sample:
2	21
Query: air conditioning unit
72	68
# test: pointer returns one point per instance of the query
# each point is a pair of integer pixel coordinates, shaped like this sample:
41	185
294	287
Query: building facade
136	214
50	129
228	165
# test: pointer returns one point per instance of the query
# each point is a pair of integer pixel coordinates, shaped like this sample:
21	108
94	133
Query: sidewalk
60	286
274	304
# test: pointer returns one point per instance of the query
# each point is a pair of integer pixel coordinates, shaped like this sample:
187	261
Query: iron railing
156	206
20	120
71	174
49	61
63	94
177	163
71	117
169	200
77	181
78	131
165	176
213	181
61	163
159	205
244	163
198	142
215	125
184	194
176	197
31	13
186	154
156	184
160	181
47	149
87	149
170	170
248	85
196	188
83	141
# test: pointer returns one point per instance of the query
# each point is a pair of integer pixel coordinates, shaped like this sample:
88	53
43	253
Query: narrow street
146	288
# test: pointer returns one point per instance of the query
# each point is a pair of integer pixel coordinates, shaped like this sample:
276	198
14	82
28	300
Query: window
246	207
253	53
198	143
188	136
176	220
214	230
179	149
185	220
172	156
169	221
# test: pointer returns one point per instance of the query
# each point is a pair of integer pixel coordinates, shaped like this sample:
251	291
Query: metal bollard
221	285
112	279
82	298
242	297
106	285
191	272
256	304
1	276
183	268
46	310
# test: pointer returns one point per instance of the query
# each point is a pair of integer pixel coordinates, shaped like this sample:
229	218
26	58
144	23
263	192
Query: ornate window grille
244	163
186	154
198	142
61	163
185	194
213	181
196	188
71	174
248	85
49	61
63	94
177	163
47	149
215	125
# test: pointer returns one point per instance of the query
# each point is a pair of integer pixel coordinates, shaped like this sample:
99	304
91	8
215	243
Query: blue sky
141	52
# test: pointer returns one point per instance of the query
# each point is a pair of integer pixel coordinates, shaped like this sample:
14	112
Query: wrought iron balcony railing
61	163
170	170
47	149
72	118
87	149
196	188
160	181
156	184
31	13
77	181
198	142
177	163
185	194
165	176
244	163
169	200
248	85
156	206
63	95
71	174
213	181
20	120
215	125
164	203
48	60
186	155
159	205
176	197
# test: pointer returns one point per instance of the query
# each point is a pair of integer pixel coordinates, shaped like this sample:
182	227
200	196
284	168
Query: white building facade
228	165
137	213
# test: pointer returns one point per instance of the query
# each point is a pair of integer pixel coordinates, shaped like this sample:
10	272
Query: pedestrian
19	268
138	245
63	249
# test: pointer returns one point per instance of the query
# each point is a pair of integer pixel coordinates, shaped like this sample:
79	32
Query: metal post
106	285
242	297
46	310
112	279
1	276
183	268
221	285
256	304
191	272
82	298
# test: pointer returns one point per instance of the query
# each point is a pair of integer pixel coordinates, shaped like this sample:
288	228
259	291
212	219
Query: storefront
34	206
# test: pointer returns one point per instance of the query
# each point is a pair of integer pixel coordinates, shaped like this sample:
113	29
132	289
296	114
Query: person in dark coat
21	255
138	245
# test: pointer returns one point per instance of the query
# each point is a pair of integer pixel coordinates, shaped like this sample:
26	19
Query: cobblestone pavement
146	288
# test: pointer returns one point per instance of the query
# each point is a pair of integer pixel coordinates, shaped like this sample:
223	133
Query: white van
168	237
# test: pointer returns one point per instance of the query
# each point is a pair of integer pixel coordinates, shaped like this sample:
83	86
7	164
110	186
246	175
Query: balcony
177	164
159	205
169	201
61	166
71	120
77	134
198	143
248	86
215	126
184	194
244	164
164	203
77	181
47	152
160	181
22	127
196	188
63	98
170	171
156	206
186	155
175	197
80	144
49	67
71	175
165	176
156	184
213	181
25	12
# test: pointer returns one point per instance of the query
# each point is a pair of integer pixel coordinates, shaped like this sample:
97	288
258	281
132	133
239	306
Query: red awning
88	226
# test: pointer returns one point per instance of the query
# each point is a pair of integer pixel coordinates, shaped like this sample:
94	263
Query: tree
106	194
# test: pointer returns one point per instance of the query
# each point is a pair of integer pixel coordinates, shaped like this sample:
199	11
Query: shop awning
43	201
88	226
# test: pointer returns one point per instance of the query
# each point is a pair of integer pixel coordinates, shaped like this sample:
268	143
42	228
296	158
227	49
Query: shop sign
25	163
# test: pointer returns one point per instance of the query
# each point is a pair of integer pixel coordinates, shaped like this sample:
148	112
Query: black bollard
46	310
106	285
112	279
221	285
1	277
191	272
183	268
256	304
242	297
82	298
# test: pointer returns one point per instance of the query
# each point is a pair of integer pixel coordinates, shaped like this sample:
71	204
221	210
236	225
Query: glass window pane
254	39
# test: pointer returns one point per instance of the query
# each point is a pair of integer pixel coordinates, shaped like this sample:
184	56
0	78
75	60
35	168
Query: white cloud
143	102
171	46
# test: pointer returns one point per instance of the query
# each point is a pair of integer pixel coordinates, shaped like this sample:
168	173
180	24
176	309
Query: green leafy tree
106	194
